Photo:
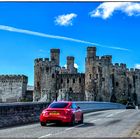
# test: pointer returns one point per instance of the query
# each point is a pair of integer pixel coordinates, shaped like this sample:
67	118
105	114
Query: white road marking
110	115
113	114
95	120
45	136
50	124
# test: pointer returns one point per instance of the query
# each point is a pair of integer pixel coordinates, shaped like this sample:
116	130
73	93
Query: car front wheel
43	123
82	119
72	123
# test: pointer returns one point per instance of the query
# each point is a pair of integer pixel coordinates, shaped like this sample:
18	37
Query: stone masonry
50	80
12	87
102	80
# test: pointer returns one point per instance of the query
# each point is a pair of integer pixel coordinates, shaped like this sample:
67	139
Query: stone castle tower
13	88
102	80
97	76
44	75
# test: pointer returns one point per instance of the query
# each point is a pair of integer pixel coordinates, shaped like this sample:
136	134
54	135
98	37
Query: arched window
79	80
90	76
117	84
47	69
73	80
67	80
70	88
53	75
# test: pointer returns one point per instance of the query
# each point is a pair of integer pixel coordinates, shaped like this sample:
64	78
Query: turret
55	53
91	52
70	63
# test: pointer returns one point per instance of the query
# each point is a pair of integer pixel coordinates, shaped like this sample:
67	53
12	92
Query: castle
102	80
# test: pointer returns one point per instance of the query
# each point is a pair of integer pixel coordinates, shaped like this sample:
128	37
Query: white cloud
106	9
75	65
17	30
137	66
65	20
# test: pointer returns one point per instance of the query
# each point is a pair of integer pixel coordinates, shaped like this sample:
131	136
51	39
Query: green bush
25	100
122	101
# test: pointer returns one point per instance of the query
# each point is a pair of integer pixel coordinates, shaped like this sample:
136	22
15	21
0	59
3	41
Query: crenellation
117	65
46	59
97	58
137	71
91	52
131	69
106	59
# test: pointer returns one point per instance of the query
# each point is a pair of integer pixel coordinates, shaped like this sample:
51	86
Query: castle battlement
123	66
54	50
132	69
38	60
70	58
14	78
120	66
106	58
137	71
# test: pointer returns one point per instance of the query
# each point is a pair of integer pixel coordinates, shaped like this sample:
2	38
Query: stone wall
20	113
71	86
13	87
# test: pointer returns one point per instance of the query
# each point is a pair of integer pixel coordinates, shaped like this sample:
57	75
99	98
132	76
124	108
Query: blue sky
30	30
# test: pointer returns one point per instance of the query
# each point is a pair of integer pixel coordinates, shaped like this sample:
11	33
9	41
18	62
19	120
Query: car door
78	110
75	111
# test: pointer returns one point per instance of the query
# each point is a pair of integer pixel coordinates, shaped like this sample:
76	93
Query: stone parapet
20	113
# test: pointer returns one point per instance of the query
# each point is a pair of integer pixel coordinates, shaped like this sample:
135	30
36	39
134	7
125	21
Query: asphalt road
101	124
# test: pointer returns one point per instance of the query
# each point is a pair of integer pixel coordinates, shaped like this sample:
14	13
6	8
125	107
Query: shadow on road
112	122
57	125
85	124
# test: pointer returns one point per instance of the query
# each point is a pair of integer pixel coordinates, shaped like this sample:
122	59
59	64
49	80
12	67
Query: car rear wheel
82	119
43	123
72	123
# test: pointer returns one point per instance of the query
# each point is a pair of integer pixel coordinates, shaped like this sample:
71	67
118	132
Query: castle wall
13	87
137	85
72	86
120	86
105	78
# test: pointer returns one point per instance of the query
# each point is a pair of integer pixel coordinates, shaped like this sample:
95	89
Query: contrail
13	29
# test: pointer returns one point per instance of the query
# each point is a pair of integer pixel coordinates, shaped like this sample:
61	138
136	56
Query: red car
65	112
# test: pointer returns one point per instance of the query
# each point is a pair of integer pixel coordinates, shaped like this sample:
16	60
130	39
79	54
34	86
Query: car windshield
58	105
